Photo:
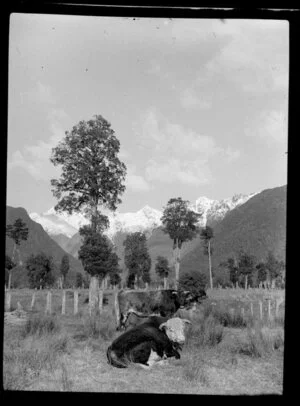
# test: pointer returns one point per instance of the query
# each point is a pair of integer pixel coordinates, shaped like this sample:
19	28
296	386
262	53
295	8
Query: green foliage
40	270
97	256
179	221
137	258
9	264
193	281
17	231
92	173
79	280
162	267
206	235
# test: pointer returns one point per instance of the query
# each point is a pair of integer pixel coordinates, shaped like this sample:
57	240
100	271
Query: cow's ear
174	292
163	326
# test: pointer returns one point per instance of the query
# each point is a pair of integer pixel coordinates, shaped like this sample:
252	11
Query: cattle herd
152	333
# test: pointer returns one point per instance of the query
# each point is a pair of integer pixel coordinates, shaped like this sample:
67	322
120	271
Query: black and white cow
148	342
160	302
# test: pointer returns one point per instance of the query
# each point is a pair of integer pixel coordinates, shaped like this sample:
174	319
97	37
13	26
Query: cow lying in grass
148	342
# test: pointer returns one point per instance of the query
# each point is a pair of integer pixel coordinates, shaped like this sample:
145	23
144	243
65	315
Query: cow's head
174	328
186	298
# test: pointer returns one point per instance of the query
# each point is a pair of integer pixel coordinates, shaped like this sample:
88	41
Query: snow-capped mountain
61	223
145	219
215	210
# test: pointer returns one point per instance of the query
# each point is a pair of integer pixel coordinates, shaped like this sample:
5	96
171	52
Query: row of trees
244	270
93	178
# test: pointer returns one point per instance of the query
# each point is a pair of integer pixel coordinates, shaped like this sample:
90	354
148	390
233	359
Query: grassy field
225	352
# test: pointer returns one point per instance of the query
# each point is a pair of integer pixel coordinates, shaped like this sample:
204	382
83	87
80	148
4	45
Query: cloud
171	139
35	159
188	172
270	126
179	154
134	181
254	55
190	100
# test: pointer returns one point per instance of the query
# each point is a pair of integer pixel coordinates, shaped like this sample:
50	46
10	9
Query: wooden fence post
75	302
117	308
49	303
101	295
269	309
260	309
8	300
251	308
243	312
63	305
165	283
32	301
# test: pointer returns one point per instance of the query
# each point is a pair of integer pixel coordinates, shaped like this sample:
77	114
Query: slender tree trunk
165	283
209	262
176	252
93	294
246	281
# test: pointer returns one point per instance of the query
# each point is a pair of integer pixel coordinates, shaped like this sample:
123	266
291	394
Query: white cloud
166	138
187	172
35	159
255	55
270	126
190	100
178	154
135	181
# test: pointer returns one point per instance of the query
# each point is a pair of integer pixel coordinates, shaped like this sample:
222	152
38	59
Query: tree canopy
179	221
40	269
97	256
137	258
92	173
162	267
17	231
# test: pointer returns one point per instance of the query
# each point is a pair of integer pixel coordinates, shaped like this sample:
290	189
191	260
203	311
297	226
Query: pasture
228	350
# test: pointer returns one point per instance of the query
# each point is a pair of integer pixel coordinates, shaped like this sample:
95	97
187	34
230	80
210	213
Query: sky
200	106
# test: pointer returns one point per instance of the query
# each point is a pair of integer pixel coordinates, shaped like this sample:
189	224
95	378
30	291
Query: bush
193	281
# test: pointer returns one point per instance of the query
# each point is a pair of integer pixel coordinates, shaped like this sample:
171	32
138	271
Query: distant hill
38	240
256	226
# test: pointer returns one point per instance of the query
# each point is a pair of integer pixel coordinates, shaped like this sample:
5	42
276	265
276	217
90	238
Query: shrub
193	281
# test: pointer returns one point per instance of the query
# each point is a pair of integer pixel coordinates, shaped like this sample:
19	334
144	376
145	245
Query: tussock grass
41	325
260	342
99	326
208	333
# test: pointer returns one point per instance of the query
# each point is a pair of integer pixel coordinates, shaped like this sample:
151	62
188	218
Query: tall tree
261	272
206	235
40	270
273	267
162	268
92	174
181	224
246	265
97	256
64	268
18	232
9	265
232	266
137	258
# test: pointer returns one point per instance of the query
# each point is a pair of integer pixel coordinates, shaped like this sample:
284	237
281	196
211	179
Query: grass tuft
41	325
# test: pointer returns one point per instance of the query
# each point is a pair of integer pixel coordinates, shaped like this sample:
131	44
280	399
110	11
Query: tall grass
99	326
40	325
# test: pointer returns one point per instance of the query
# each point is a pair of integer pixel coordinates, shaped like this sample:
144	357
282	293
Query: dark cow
160	302
134	320
147	341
